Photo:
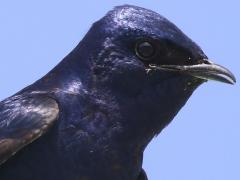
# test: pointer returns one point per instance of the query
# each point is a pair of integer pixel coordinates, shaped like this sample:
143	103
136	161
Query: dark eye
145	50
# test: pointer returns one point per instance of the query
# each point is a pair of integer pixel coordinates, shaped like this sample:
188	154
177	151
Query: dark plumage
92	116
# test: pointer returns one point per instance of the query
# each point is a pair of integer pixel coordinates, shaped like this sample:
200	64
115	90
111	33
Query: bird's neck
128	120
138	117
76	68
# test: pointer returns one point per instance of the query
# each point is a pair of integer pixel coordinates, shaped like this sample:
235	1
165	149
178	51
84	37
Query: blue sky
202	143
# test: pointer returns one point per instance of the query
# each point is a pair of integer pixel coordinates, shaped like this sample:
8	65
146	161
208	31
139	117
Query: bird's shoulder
24	118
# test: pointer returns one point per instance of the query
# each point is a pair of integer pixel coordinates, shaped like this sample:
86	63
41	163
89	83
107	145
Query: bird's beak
206	71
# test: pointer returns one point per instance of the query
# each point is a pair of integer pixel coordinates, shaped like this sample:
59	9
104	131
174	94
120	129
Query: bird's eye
145	50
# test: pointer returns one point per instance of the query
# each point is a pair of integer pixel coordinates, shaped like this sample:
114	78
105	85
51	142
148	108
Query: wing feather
23	119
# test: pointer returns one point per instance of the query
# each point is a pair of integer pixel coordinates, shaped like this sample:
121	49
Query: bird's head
149	65
138	43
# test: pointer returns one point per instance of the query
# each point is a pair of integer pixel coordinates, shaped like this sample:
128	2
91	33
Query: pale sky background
202	143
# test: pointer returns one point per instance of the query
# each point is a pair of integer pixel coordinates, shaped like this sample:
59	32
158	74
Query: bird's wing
24	119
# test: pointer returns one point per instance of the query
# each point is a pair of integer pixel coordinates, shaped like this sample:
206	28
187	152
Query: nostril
203	61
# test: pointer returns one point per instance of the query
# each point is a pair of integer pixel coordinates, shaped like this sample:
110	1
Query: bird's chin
173	80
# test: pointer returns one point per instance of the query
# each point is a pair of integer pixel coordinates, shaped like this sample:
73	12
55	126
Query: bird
92	116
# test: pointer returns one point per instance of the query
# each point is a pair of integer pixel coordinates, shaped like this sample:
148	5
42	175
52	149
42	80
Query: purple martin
92	116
